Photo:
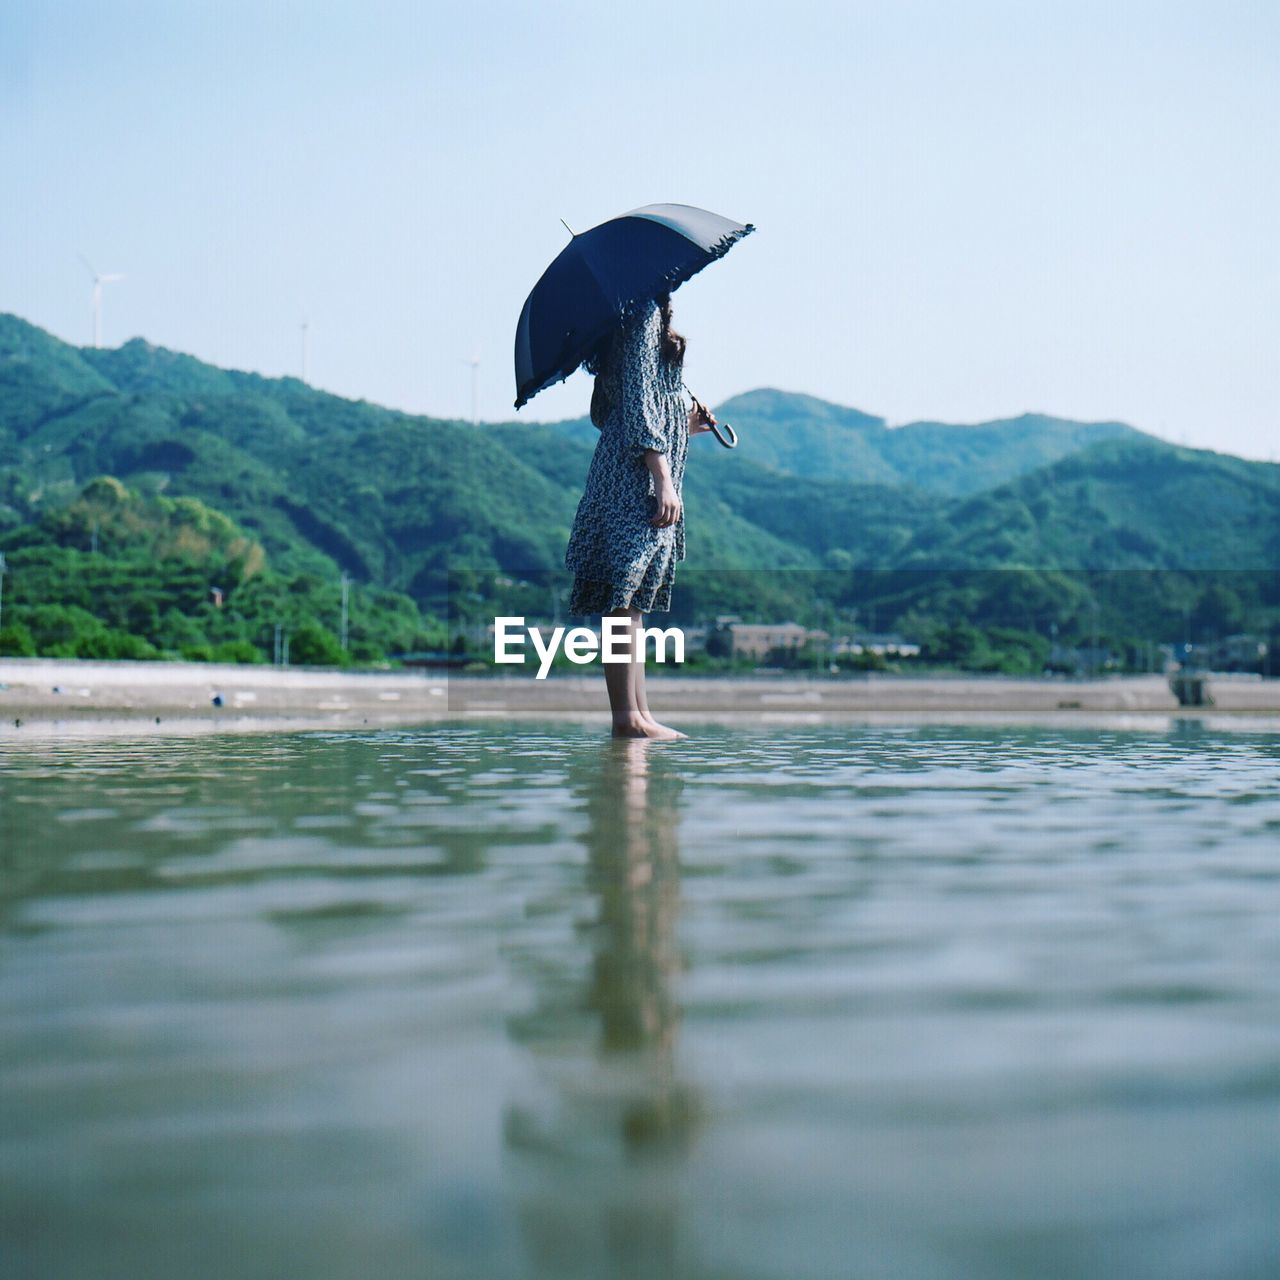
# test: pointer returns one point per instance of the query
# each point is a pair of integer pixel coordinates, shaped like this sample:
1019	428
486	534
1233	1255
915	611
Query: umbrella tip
568	228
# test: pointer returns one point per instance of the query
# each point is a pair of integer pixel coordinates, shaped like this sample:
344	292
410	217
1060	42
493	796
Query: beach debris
216	699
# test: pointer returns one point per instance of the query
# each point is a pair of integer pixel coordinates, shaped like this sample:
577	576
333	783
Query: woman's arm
643	424
669	505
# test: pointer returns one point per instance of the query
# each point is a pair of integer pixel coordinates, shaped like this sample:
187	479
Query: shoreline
100	697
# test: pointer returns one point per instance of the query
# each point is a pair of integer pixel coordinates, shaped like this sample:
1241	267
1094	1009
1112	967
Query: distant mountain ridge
327	484
788	432
801	435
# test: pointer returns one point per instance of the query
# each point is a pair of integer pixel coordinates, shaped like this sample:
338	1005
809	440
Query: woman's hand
669	505
664	490
700	418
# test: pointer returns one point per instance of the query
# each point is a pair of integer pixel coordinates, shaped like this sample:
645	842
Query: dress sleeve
643	424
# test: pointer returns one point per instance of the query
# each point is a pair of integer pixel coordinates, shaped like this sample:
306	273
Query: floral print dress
619	560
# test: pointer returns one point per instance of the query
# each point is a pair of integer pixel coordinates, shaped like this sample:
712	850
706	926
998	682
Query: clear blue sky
965	210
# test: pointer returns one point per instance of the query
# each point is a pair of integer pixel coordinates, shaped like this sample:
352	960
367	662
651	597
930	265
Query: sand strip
56	695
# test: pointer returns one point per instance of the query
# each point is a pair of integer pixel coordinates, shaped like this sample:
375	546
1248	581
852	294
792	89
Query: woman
628	533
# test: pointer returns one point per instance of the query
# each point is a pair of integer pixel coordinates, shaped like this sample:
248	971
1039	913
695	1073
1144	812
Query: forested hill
325	483
801	435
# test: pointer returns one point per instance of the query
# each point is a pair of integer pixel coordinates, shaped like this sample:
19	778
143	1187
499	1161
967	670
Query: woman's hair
670	343
673	343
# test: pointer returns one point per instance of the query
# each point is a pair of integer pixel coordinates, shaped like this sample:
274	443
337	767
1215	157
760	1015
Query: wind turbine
474	362
98	282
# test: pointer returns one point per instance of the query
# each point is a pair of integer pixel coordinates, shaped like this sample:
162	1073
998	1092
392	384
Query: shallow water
479	1001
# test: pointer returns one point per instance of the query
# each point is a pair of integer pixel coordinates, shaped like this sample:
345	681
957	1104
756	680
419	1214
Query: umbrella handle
732	441
716	427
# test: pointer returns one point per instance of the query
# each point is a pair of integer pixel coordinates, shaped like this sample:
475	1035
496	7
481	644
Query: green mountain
800	435
1121	504
325	484
119	574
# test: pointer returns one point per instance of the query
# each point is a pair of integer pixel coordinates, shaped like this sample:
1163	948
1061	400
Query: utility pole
474	362
3	569
1093	657
346	583
275	652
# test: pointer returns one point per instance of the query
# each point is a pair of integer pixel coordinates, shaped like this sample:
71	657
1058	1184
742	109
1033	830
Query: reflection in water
624	1119
632	841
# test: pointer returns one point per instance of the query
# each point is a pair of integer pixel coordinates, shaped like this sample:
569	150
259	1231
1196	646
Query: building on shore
756	640
883	644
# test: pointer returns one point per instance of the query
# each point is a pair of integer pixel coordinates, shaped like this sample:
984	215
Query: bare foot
634	727
662	730
638	726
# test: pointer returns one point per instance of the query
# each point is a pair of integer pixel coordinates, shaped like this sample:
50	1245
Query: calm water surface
482	1001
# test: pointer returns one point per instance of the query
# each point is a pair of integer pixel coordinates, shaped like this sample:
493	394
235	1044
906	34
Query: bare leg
626	692
628	722
637	677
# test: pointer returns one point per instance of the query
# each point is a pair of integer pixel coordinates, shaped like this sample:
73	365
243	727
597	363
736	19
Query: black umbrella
602	276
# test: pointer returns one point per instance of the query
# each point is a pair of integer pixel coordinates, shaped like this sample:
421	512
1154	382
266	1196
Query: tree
16	641
1218	613
315	646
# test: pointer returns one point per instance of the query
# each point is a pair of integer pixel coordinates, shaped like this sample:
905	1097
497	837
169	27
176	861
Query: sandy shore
42	695
687	700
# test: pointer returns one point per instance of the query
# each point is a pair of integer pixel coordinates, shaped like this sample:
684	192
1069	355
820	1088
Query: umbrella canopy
602	276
